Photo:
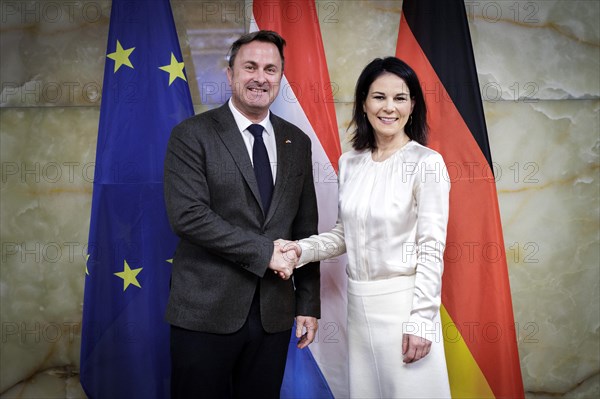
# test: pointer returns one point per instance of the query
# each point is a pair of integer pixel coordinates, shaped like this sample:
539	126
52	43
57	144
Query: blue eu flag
125	340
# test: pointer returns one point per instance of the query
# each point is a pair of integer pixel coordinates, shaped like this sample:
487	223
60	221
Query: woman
393	213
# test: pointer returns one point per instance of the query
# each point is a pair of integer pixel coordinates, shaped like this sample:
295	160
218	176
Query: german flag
477	315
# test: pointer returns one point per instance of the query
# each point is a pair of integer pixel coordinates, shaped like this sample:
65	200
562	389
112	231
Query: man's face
255	79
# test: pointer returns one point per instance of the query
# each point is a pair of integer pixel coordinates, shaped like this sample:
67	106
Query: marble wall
539	73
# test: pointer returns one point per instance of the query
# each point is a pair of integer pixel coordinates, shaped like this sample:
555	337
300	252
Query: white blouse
392	221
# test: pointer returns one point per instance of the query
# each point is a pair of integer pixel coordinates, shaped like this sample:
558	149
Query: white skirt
376	313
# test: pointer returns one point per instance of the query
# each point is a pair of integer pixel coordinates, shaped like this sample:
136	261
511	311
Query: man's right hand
285	258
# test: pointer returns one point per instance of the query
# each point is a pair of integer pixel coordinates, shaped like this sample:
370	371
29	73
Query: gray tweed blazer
226	242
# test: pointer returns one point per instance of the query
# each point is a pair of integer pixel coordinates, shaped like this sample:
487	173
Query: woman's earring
410	119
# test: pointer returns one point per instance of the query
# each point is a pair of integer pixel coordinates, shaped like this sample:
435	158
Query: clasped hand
414	348
285	258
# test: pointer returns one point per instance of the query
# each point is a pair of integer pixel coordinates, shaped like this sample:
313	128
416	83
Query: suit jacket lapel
230	135
284	163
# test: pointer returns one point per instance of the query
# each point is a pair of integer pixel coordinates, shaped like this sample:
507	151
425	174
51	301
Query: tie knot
256	130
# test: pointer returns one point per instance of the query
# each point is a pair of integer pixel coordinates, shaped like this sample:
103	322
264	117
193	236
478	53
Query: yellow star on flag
121	56
175	70
129	276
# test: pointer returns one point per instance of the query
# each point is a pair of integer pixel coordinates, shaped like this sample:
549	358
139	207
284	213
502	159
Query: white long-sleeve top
392	221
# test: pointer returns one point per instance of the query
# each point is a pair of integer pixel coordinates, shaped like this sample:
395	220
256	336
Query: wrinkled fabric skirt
376	313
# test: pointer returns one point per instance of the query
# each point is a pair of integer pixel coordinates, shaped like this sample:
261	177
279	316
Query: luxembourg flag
306	100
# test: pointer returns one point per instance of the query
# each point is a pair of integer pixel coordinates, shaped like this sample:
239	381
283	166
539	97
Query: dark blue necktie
262	166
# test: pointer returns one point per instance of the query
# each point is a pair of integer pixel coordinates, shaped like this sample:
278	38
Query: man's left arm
307	280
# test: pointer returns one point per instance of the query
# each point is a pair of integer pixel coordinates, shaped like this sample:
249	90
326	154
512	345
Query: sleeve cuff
307	252
423	327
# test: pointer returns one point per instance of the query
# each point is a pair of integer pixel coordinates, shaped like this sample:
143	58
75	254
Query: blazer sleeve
307	280
187	200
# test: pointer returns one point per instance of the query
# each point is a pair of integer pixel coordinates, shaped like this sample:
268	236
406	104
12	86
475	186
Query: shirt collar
242	122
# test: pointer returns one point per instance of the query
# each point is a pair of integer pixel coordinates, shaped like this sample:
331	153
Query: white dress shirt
268	136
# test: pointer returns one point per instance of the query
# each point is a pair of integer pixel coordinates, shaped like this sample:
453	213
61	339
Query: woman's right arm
329	244
323	246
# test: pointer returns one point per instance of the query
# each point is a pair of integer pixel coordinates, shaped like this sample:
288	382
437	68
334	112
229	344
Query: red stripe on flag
476	289
309	79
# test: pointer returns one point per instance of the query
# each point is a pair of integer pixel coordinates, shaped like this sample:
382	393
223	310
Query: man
231	313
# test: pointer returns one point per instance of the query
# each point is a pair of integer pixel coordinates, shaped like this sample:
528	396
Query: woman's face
388	106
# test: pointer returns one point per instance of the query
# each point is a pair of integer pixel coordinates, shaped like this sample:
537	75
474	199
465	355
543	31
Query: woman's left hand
414	348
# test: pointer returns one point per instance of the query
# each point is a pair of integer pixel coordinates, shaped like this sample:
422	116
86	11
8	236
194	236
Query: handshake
285	258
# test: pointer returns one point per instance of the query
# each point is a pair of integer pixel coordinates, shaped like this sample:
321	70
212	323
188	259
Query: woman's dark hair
416	128
267	36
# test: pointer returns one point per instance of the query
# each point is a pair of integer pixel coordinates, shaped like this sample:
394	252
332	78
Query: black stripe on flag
447	45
